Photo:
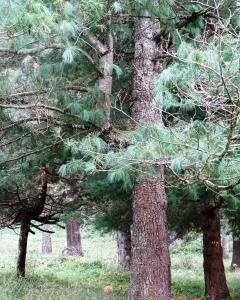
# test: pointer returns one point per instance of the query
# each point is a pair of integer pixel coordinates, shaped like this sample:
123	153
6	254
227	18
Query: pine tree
66	99
198	210
150	270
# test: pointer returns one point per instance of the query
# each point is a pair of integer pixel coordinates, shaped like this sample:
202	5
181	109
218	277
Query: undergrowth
57	277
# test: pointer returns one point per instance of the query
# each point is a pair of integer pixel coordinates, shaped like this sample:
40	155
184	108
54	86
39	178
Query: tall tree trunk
214	274
124	249
74	246
150	271
46	240
150	266
236	255
225	246
22	248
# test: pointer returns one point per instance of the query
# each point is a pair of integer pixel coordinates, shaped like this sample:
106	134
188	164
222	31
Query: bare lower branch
30	153
77	88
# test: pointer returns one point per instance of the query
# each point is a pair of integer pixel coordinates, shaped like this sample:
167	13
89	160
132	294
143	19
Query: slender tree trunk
46	240
105	82
74	246
225	246
214	274
124	249
26	216
236	255
22	248
150	265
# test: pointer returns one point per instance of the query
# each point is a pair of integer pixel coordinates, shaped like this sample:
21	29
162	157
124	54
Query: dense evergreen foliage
71	142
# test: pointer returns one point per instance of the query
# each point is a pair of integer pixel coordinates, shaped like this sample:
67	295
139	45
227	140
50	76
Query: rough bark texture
225	246
22	248
150	271
236	255
74	246
214	274
46	240
150	266
124	249
144	107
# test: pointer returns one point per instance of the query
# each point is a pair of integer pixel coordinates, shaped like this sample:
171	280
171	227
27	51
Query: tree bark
214	273
150	266
46	240
25	215
105	82
22	248
150	271
124	249
225	246
74	246
236	255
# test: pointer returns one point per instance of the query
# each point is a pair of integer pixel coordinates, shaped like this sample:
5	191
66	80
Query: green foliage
197	91
68	55
114	201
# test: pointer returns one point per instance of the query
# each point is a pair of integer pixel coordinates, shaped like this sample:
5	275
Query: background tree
196	210
112	212
74	245
46	240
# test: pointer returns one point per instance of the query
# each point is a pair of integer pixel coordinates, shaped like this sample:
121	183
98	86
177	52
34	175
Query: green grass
58	277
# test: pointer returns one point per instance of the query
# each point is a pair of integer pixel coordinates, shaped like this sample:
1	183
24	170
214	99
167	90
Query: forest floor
57	277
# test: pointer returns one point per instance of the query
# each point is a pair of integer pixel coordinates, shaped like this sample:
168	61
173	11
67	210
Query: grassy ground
59	278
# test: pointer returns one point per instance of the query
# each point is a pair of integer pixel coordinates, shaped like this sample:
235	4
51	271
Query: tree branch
94	41
77	88
27	51
30	153
220	187
39	228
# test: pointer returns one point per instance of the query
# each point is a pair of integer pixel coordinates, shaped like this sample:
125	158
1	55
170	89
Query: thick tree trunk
74	246
150	265
225	246
124	249
236	255
22	248
46	240
150	271
214	274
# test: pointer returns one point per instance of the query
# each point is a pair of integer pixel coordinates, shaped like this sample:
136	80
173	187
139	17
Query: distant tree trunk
225	246
150	265
214	274
236	255
22	248
46	240
124	249
74	246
